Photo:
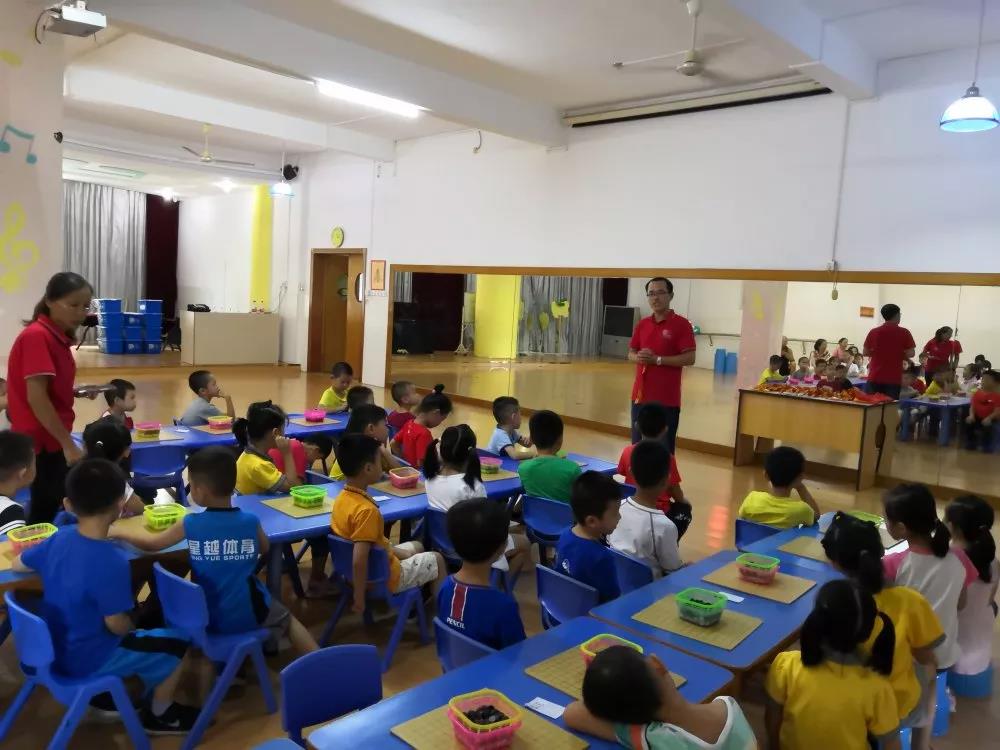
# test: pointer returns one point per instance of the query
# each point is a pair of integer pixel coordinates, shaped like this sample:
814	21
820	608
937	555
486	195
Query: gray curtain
402	285
581	331
104	239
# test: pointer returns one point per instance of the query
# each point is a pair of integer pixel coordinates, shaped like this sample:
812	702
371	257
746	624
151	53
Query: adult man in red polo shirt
888	345
661	345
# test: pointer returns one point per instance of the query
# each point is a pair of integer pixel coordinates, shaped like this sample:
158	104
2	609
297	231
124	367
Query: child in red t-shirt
404	393
412	440
651	422
985	412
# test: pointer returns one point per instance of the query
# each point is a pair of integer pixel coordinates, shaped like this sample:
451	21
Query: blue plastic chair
315	477
36	655
281	743
404	602
310	695
435	529
455	649
632	573
748	532
545	520
562	598
159	469
184	608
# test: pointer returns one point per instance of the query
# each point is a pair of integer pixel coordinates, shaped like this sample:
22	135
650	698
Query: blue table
504	671
300	431
780	622
950	410
770	545
191	440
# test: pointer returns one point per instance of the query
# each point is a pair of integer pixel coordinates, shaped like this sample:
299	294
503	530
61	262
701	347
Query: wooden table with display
847	422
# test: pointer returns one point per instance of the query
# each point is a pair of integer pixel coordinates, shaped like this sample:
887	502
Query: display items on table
824	392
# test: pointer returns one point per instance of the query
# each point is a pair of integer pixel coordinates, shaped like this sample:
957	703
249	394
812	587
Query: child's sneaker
178	719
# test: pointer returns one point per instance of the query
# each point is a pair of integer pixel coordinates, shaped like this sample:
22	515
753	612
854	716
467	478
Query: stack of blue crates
151	311
130	332
111	326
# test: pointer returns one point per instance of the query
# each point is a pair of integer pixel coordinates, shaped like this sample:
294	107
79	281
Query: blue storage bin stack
151	311
111	328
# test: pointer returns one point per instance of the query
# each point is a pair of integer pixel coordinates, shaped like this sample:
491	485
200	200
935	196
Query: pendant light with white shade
972	113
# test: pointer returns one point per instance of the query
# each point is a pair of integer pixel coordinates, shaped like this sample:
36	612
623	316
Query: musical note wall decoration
30	158
11	58
17	256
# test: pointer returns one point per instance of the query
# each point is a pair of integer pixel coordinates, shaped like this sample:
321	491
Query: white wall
31	101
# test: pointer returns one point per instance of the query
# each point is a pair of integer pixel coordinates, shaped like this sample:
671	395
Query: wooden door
336	310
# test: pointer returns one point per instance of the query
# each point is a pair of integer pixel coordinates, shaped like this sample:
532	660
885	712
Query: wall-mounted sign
867	312
376	278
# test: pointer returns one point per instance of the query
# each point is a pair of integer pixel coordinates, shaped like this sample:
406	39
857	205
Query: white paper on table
546	708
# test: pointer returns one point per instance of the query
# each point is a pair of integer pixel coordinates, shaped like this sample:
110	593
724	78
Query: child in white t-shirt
644	530
453	474
933	567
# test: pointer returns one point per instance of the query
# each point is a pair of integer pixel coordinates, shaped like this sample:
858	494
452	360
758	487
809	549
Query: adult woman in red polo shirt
40	391
662	345
942	352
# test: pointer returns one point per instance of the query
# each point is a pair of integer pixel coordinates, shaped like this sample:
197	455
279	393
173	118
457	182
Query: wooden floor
713	485
598	390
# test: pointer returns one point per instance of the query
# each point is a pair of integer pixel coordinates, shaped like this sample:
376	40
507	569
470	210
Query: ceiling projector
73	19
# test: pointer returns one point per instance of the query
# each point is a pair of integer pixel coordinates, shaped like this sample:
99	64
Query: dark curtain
161	252
438	298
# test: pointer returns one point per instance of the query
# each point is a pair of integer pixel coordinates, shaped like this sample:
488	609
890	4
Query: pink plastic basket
314	415
473	736
404	478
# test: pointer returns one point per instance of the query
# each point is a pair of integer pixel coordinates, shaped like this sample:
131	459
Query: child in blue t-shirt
225	545
506	438
467	602
582	552
88	602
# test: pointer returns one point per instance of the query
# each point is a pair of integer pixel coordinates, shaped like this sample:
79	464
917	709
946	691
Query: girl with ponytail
109	439
970	518
834	692
451	466
855	549
931	565
263	430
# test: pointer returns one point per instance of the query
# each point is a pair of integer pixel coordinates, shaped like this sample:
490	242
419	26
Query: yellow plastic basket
28	536
593	646
160	517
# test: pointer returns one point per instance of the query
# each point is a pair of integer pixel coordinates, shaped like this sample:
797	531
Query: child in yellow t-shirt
832	694
784	468
772	373
262	430
855	549
334	398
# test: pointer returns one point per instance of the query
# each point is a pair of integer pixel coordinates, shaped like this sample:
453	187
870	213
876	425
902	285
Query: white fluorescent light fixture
367	98
169	194
972	113
282	188
225	185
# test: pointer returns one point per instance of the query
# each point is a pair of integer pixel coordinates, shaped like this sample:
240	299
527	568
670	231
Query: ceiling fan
695	59
205	157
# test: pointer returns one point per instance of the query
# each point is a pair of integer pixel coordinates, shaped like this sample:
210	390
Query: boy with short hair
225	545
505	438
369	420
802	374
360	395
771	373
548	475
467	601
582	552
121	401
652	423
206	389
334	398
404	393
785	471
984	412
356	517
644	530
17	471
87	601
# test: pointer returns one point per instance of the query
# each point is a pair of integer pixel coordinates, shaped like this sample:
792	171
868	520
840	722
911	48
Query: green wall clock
337	236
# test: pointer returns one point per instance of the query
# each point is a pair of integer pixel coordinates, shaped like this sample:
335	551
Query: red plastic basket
496	736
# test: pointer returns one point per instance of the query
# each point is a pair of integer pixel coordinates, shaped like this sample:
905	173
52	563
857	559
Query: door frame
314	331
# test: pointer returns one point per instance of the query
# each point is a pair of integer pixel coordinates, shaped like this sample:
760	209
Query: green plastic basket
308	496
160	517
700	606
867	517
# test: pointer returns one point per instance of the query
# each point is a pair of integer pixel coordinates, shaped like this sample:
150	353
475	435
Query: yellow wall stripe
260	248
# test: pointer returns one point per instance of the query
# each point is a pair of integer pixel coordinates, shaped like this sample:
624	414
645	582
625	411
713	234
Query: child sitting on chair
467	601
206	389
984	412
121	401
411	442
360	395
803	373
334	398
785	471
404	393
506	438
548	475
582	552
631	699
87	588
17	471
369	420
356	517
771	373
